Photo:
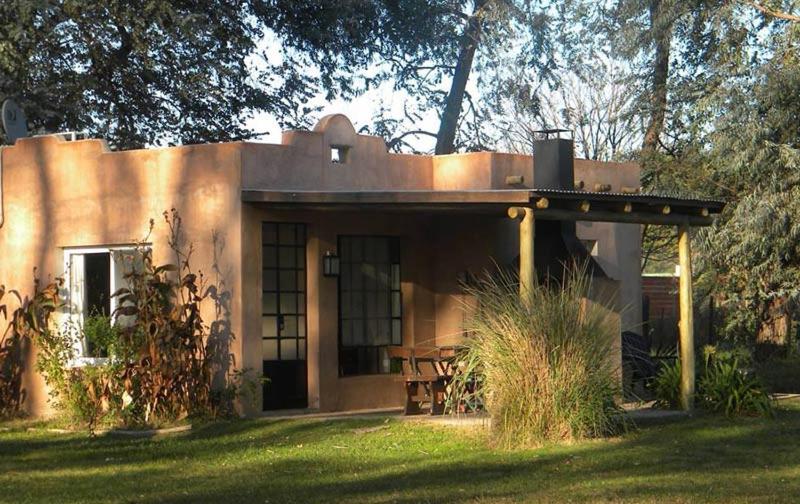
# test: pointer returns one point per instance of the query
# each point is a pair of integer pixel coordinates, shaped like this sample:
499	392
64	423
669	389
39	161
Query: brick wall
661	296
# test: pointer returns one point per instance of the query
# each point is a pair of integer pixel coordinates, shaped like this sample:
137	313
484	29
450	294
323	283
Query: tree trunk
661	30
445	138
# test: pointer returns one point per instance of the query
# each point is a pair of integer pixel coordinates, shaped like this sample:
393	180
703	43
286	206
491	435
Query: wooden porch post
686	326
527	233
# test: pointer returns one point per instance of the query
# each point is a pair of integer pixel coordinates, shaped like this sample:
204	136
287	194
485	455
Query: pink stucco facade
58	195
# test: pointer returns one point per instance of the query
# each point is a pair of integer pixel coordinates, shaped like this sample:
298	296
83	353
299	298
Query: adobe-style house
265	220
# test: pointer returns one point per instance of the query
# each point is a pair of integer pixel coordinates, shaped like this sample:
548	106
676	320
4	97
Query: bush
101	335
726	386
543	366
666	386
11	395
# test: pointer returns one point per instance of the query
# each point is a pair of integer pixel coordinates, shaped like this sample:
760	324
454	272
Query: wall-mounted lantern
330	264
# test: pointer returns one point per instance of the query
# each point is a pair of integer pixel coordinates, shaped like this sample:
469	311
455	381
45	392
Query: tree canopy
143	71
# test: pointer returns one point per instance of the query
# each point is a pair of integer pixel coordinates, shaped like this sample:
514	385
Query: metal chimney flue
553	165
557	243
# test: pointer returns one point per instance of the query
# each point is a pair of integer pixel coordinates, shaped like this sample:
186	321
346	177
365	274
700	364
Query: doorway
283	315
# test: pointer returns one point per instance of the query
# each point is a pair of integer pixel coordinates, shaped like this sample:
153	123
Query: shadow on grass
702	459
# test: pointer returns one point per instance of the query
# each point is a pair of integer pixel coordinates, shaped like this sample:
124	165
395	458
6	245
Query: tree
751	256
419	46
142	72
593	103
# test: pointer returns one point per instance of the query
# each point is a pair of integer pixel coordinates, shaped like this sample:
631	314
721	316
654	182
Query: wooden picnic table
426	371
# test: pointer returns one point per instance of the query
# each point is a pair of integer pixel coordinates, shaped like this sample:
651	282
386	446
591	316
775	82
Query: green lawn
380	460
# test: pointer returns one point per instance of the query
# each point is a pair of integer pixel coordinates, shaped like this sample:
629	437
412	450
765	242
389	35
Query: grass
543	361
376	460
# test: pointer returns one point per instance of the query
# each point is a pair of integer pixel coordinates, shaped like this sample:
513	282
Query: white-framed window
92	276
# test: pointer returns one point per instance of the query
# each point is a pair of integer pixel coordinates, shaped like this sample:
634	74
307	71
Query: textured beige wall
62	194
78	194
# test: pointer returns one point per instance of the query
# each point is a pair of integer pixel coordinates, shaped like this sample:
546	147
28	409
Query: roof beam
632	217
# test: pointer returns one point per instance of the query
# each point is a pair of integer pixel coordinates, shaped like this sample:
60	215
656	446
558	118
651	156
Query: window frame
394	241
80	346
300	251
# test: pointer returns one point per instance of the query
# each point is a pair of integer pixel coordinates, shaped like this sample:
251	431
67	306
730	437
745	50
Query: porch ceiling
551	204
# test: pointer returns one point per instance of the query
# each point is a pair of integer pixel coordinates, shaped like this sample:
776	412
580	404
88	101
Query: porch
415	246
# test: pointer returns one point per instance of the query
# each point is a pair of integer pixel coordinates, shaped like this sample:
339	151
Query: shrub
666	386
726	386
10	364
101	335
543	366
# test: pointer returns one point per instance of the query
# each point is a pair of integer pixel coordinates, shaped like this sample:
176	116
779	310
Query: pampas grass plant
543	369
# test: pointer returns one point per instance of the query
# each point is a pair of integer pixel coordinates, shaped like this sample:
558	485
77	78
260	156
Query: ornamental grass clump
543	369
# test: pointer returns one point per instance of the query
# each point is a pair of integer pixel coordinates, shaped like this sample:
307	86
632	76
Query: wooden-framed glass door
283	315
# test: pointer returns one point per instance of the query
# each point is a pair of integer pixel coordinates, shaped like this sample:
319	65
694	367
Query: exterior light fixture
330	264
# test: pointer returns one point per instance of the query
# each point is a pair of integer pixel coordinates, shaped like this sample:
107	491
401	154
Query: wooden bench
426	373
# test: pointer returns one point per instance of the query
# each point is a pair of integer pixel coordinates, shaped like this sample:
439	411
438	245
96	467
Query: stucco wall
60	194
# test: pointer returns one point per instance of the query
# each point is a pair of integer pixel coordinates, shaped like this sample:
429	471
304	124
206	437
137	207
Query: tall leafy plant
167	361
31	320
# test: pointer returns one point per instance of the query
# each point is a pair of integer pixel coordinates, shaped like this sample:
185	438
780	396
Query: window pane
357	304
301	352
385	362
288	303
269	233
372	332
97	284
358	280
269	349
287	280
383	277
301	327
286	256
288	349
301	258
347	333
301	280
286	234
395	276
369	276
382	301
397	337
372	307
270	257
396	304
358	332
385	330
270	280
269	303
269	327
301	303
344	277
289	329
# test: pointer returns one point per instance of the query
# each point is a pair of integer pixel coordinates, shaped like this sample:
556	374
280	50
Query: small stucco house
405	229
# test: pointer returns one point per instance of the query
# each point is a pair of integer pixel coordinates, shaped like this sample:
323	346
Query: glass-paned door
283	314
